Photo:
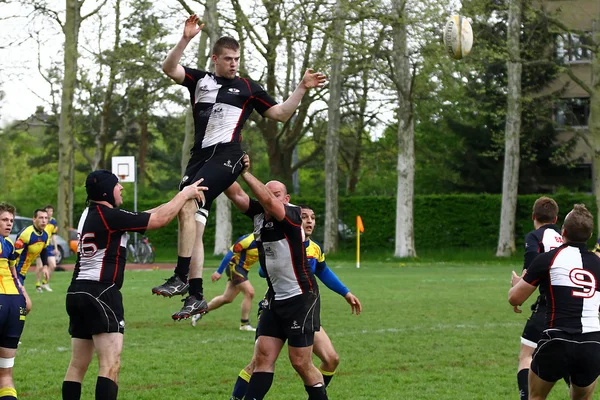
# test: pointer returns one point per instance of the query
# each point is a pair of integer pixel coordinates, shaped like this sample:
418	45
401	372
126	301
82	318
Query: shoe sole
167	294
179	317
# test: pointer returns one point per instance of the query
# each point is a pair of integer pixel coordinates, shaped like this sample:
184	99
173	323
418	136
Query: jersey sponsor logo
585	282
233	91
269	225
270	252
217	112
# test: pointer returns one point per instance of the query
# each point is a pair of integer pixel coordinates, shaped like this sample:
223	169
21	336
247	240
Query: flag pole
359	228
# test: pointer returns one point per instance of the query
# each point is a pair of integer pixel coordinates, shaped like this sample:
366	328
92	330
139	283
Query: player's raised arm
171	65
265	197
282	112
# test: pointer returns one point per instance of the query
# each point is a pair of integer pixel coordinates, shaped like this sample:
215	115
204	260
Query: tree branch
93	11
578	81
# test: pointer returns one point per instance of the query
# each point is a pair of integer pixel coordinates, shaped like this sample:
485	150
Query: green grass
428	330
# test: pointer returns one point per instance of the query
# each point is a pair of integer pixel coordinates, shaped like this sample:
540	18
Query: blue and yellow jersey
52	227
243	253
315	255
29	245
8	257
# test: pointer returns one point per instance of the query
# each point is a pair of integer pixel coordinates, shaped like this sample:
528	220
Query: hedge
441	221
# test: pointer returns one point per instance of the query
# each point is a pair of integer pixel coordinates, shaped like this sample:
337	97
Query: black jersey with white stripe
102	244
221	106
541	240
281	252
570	276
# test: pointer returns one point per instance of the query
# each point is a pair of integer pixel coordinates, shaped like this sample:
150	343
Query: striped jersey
29	245
282	253
243	253
221	106
102	243
8	256
570	276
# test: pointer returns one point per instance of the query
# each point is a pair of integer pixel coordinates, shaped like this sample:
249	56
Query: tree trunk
144	139
594	119
223	229
99	159
405	238
510	181
66	152
333	130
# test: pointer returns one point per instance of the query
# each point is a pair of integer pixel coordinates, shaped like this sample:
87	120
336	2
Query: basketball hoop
122	177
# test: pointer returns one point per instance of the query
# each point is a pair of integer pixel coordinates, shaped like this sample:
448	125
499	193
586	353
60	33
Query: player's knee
300	363
331	361
250	293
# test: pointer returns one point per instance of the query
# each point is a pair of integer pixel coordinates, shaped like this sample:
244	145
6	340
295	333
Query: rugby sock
196	288
244	322
327	375
71	390
241	385
316	392
522	380
183	267
8	393
106	389
44	282
259	385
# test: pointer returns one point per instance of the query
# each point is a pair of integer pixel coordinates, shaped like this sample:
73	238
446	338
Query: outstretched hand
245	164
313	79
195	191
191	28
354	303
215	276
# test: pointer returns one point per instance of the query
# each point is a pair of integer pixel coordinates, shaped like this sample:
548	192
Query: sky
23	38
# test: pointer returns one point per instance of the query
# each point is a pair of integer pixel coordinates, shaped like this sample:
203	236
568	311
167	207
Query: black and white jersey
570	276
541	240
102	244
221	106
282	253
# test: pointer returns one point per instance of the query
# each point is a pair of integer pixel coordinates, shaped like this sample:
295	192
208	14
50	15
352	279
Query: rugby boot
172	287
191	306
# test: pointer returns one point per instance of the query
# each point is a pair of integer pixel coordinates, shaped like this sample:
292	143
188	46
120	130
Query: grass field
429	330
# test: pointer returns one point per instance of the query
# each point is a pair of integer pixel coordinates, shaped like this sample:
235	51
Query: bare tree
403	80
66	153
333	128
512	157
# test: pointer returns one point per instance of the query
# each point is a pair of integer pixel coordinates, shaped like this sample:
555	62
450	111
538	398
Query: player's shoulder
315	244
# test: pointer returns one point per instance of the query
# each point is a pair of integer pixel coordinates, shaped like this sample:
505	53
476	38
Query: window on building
570	47
572	112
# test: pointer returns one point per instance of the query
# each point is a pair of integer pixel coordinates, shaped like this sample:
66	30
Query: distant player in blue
322	348
41	283
32	242
236	264
14	304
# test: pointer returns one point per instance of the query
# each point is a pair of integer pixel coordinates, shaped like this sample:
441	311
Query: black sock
106	389
244	321
522	380
183	267
327	379
260	383
567	379
196	287
316	392
71	390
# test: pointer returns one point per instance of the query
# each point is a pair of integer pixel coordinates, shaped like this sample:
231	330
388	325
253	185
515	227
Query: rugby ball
458	37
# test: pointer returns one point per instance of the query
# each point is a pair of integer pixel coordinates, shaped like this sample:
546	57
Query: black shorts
295	319
534	327
12	319
219	165
236	273
94	308
561	354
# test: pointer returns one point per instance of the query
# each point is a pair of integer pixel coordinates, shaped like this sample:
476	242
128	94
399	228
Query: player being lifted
222	102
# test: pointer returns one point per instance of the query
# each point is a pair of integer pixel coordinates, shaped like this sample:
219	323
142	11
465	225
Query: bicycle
141	252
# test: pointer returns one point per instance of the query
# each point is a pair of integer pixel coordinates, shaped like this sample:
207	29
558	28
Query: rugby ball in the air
458	37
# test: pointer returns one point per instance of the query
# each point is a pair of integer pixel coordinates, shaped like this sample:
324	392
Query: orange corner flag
359	224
